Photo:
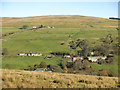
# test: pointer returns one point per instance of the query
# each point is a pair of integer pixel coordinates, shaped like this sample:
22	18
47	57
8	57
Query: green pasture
8	30
21	62
111	67
46	40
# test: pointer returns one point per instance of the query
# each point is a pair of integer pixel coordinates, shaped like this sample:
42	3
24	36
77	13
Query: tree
65	69
63	64
78	65
54	68
86	63
83	44
107	40
43	65
101	50
109	60
103	73
84	52
25	26
41	26
101	61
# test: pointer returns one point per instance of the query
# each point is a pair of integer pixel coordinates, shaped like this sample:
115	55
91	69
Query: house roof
40	69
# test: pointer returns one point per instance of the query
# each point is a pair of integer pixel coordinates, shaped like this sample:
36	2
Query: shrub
43	65
63	64
103	73
25	26
57	70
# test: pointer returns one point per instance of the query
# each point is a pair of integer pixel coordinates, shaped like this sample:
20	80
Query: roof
40	69
69	61
95	58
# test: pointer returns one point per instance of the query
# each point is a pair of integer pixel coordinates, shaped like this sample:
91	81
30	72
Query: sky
35	8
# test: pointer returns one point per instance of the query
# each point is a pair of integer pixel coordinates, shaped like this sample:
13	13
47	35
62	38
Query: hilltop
31	79
59	21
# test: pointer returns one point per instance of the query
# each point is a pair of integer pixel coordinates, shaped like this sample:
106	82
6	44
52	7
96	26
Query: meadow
48	40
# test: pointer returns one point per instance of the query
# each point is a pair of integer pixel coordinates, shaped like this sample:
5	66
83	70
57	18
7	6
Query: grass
59	21
45	42
8	30
48	40
20	62
31	79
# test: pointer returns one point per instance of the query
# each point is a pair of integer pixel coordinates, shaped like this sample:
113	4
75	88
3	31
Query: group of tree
82	44
53	68
84	67
108	60
28	27
75	66
99	50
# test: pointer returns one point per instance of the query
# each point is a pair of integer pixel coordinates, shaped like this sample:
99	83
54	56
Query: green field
49	39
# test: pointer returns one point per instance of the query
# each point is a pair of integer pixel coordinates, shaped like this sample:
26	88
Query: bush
4	51
109	60
57	70
63	64
103	73
43	65
25	26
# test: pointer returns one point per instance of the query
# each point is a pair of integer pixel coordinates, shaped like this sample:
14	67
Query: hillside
59	21
31	79
47	40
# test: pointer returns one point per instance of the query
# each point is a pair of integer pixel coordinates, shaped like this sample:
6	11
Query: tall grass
27	79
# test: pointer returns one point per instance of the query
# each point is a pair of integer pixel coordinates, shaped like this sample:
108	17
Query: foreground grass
31	79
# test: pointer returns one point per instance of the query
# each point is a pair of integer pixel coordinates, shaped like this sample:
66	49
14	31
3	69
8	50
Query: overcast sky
34	8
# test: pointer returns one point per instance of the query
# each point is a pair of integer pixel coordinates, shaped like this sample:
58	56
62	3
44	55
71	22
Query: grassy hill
31	79
59	21
49	39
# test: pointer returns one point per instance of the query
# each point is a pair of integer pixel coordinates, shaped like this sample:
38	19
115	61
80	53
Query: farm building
30	54
67	56
34	27
43	70
76	58
22	54
95	59
40	69
36	54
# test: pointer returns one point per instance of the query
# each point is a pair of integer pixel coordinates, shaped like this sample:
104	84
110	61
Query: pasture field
48	40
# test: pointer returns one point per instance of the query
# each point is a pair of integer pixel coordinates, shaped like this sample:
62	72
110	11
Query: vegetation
4	51
77	38
31	79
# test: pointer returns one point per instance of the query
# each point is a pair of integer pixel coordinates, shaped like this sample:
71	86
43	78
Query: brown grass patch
31	79
110	26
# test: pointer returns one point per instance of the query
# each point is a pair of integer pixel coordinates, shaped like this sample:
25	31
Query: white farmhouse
67	56
34	27
22	54
30	54
95	59
36	54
